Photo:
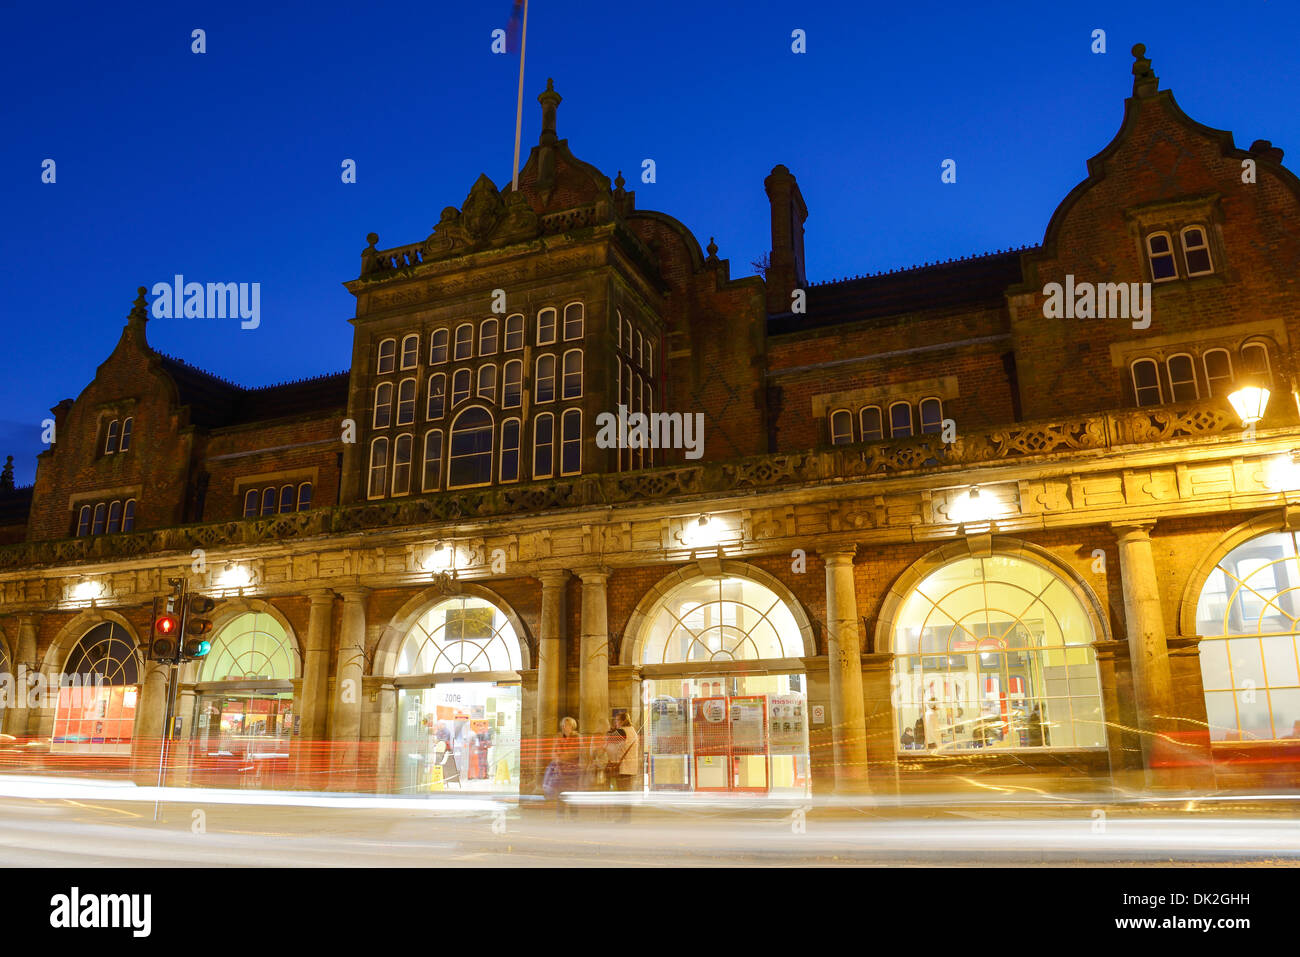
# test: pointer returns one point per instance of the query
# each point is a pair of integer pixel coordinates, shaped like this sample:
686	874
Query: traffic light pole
173	683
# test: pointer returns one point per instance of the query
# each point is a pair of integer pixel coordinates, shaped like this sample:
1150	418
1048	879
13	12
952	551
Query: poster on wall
668	726
748	724
787	724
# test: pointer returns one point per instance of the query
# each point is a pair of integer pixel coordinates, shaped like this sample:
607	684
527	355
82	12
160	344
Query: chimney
785	268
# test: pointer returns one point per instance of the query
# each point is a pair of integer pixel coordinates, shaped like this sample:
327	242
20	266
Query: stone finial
370	255
550	101
1145	81
713	250
1264	149
618	182
7	475
139	313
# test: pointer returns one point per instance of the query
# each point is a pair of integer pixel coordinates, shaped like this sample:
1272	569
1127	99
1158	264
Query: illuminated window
546	327
469	457
410	351
720	619
841	427
1248	618
459	635
438	346
1146	382
432	460
573	321
387	356
99	689
543	445
378	468
514	333
995	653
1160	254
383	405
1182	378
464	341
1218	371
254	645
1196	251
487	338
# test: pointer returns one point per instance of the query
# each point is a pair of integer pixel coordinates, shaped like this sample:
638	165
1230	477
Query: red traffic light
165	625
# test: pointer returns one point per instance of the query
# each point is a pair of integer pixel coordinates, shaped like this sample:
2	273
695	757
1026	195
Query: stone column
593	674
387	743
345	734
19	718
550	651
844	652
315	670
1148	646
150	724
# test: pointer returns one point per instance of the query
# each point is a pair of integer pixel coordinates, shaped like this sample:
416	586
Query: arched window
996	652
841	427
618	328
383	405
627	337
98	693
544	381
387	356
465	341
543	445
573	374
720	618
1182	378
254	645
509	468
1218	371
931	416
83	519
438	343
487	338
378	468
304	496
1160	254
1146	382
1248	618
1196	251
406	402
410	351
640	347
649	358
127	425
900	420
268	500
459	635
514	333
512	387
432	460
1254	360
402	464
571	442
469	458
110	443
128	516
573	321
545	327
101	515
461	381
288	498
487	382
437	403
114	517
869	421
250	503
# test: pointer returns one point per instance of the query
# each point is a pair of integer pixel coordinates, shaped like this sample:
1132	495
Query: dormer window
127	425
1196	251
1160	253
110	443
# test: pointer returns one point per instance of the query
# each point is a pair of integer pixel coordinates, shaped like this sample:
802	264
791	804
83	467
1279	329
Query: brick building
936	519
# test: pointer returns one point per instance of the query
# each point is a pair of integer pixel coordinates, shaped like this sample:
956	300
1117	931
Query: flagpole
519	111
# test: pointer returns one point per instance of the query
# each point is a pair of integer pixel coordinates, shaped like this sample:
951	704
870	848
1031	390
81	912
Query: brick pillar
844	654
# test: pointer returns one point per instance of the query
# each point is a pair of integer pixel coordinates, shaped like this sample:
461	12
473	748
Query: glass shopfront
459	735
98	694
245	732
727	733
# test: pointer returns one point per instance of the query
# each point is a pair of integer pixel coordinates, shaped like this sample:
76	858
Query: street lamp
1249	401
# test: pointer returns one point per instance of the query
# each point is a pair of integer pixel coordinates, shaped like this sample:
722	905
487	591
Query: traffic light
197	627
164	633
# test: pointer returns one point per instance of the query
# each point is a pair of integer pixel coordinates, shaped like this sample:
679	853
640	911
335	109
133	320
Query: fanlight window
721	619
995	653
104	655
1248	618
459	635
254	645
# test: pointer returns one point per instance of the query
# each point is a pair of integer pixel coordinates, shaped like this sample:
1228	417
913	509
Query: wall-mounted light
1249	402
235	576
703	532
1282	472
88	589
972	507
441	559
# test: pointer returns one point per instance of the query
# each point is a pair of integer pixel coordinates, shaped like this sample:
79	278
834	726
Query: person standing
626	768
565	770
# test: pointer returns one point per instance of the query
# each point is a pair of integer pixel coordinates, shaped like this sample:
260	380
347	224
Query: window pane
127	425
841	427
378	467
546	327
1161	255
436	405
487	382
432	460
250	503
543	445
1146	382
410	351
1254	358
110	443
464	341
512	389
288	498
1197	251
931	416
571	450
573	321
573	374
544	387
900	420
514	333
871	425
406	402
114	517
383	405
402	465
510	450
1182	378
128	515
101	515
470	454
438	346
387	356
487	338
304	496
460	383
1218	372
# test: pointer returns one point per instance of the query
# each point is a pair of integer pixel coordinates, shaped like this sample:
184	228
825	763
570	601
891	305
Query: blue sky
225	166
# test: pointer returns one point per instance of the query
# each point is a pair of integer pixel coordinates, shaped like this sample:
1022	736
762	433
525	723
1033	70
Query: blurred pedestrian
565	770
625	769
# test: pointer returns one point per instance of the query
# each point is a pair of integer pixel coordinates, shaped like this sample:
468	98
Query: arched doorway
459	698
995	652
99	690
1248	617
724	692
244	719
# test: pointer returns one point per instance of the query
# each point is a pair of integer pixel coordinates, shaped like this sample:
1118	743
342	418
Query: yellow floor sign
435	778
